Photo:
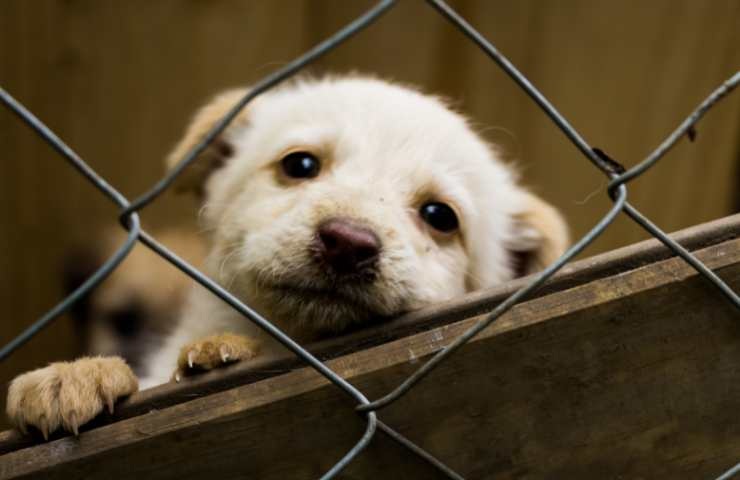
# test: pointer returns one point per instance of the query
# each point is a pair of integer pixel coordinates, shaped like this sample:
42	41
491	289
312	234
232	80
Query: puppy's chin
314	307
313	313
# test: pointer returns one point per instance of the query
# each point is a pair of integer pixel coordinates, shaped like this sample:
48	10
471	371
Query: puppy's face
336	201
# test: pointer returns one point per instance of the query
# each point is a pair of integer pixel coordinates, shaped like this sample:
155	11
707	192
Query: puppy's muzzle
345	247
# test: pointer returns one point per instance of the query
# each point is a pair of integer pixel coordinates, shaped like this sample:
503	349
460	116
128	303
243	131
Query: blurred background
118	82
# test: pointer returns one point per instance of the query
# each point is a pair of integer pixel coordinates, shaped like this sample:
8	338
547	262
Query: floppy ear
194	177
539	237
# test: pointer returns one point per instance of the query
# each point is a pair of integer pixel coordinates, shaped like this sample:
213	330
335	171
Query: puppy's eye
300	165
440	216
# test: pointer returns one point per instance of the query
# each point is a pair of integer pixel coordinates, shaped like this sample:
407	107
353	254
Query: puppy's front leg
214	351
68	394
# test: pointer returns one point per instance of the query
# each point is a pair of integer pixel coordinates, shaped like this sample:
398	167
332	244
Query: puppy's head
331	202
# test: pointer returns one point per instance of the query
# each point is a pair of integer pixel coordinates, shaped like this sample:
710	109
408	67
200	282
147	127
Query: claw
44	427
191	357
224	354
23	428
109	402
73	423
177	377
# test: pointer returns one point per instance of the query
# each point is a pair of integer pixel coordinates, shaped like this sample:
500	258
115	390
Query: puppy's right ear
194	177
540	235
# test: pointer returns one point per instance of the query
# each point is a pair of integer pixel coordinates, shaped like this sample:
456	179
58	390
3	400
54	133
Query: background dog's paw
68	394
214	351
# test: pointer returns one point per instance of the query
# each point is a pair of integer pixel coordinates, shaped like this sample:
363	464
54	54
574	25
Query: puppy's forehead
366	118
378	136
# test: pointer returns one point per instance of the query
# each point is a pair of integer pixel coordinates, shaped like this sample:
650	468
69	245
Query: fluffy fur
68	394
385	150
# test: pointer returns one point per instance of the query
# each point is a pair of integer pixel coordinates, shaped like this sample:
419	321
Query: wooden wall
118	80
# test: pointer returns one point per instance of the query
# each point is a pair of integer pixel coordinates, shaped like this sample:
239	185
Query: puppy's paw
214	351
68	394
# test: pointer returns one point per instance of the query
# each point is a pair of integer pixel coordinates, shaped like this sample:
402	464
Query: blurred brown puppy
121	322
132	312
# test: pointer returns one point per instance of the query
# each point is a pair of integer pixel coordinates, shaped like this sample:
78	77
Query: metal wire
717	95
731	296
521	80
101	273
424	455
130	219
730	473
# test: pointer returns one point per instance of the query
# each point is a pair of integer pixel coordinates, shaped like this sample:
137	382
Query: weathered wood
631	375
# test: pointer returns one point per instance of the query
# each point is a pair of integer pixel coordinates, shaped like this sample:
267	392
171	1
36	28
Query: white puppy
328	203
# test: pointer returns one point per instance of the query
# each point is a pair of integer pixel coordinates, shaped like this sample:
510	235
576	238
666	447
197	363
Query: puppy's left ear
195	176
540	236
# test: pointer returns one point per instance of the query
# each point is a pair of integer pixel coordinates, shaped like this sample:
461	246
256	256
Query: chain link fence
368	409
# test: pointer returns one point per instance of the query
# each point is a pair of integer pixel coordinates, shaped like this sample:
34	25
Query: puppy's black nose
347	247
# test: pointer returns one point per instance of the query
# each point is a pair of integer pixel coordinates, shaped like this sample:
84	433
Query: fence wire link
129	218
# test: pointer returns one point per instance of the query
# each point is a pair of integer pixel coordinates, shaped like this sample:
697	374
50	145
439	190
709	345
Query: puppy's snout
347	247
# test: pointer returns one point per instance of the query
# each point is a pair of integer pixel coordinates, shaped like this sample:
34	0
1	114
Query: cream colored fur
68	394
385	150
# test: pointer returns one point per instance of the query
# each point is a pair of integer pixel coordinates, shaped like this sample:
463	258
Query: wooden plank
633	375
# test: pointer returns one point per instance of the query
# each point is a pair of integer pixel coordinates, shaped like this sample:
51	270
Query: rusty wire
128	215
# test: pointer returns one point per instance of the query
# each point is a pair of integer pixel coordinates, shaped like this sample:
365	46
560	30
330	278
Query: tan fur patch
68	394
